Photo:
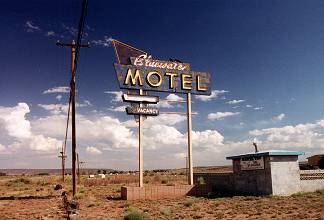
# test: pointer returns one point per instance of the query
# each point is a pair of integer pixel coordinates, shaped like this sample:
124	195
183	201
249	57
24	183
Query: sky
265	58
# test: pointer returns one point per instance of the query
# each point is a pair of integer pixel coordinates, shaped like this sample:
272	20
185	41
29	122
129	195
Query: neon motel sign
162	76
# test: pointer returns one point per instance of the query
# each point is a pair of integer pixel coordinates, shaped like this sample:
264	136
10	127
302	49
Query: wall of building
285	175
253	182
221	182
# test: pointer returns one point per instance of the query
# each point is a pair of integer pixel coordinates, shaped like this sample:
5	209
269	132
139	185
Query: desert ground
35	197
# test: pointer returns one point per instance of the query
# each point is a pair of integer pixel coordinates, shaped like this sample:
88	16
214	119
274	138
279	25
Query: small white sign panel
252	163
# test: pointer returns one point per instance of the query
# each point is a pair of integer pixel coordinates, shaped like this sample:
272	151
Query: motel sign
162	76
137	71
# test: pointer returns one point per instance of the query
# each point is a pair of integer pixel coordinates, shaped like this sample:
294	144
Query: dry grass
98	199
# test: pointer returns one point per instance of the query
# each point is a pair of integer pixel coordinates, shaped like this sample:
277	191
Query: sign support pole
189	123
140	148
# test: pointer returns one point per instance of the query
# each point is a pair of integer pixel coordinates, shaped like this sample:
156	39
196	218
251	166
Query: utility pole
72	94
62	156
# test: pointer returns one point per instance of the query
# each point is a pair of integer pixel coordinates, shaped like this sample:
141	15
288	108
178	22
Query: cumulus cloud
301	135
93	150
41	143
279	117
170	101
207	138
165	119
105	42
117	95
58	89
214	95
234	101
221	115
14	120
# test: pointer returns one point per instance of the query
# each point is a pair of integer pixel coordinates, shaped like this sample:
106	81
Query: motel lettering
162	79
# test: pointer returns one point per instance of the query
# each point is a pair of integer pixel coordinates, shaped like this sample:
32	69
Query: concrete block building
263	173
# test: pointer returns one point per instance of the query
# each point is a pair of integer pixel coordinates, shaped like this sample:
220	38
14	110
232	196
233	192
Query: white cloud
249	106
118	108
41	143
170	101
279	117
71	30
31	27
165	119
221	115
258	108
307	135
174	97
214	95
117	95
232	102
207	138
93	150
14	120
55	108
84	103
58	89
59	97
106	42
50	33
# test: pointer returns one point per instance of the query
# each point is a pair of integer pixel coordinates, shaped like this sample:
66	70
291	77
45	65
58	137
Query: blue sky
265	58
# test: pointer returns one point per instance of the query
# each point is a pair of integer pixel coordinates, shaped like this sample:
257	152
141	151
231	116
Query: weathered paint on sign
147	61
140	98
142	111
162	79
252	163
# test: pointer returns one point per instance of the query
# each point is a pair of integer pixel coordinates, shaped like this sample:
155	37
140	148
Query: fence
311	174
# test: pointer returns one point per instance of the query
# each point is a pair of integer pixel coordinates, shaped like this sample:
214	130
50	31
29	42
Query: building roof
316	155
267	153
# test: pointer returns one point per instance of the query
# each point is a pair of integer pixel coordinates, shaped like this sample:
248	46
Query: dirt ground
35	198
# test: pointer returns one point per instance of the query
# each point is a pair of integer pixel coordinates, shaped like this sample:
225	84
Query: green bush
134	214
166	213
188	202
201	180
19	182
164	180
